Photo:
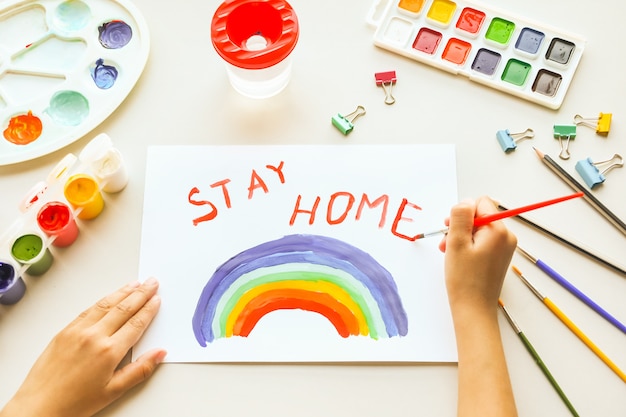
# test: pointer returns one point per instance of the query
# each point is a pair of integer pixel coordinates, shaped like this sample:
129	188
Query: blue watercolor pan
65	66
526	59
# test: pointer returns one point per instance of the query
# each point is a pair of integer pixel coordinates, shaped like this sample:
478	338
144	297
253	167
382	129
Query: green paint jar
29	249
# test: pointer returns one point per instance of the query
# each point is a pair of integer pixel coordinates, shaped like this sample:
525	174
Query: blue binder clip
508	141
590	173
564	133
345	124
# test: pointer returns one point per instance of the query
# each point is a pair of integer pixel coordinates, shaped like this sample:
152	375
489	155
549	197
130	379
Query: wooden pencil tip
538	152
516	270
500	303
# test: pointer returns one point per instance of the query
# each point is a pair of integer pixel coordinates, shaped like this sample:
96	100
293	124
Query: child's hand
476	261
77	374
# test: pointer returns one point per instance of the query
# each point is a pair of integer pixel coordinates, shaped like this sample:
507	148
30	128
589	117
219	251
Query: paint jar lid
254	34
62	169
16	227
33	196
96	149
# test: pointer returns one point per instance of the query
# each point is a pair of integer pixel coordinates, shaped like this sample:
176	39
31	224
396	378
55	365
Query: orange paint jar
83	193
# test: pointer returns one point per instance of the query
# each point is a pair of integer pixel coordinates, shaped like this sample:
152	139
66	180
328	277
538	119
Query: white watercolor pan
65	66
529	60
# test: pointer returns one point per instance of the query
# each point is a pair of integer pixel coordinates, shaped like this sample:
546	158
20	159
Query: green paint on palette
68	108
500	30
72	15
516	72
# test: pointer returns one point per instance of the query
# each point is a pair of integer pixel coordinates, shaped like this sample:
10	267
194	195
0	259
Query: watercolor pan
65	66
526	59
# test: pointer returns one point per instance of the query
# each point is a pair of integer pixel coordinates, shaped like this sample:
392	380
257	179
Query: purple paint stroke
115	34
104	75
310	249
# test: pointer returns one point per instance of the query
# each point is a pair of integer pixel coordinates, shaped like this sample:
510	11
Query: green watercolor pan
65	66
526	59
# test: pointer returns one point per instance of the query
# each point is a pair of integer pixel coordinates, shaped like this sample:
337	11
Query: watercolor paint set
51	212
526	59
65	66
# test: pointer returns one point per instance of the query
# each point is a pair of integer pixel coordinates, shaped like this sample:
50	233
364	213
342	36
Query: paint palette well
65	66
526	59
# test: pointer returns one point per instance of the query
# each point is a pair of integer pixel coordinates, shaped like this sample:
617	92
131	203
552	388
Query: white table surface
184	97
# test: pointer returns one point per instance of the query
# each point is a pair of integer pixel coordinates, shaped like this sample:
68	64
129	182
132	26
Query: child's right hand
476	261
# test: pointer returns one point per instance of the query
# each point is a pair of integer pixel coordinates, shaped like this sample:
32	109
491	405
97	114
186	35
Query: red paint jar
57	220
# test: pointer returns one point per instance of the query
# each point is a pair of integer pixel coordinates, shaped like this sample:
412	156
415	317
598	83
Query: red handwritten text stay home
336	208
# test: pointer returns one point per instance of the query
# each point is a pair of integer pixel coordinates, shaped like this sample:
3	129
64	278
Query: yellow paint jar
83	193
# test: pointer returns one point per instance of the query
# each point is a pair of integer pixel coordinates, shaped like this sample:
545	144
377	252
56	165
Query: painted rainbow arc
308	272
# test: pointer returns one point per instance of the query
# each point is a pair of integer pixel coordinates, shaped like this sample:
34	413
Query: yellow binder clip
602	123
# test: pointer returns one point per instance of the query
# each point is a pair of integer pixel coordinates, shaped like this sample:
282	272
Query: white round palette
65	66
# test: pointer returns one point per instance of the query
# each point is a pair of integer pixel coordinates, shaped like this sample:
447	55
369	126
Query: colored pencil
577	186
529	347
572	289
576	246
570	325
483	220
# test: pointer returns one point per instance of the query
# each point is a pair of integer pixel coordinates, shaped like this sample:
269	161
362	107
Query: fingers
119	314
461	223
485	206
136	372
132	330
442	243
94	313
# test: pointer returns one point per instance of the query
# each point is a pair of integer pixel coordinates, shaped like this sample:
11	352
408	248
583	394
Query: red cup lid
254	34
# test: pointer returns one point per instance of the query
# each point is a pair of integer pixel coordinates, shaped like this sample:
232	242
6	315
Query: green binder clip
345	124
564	133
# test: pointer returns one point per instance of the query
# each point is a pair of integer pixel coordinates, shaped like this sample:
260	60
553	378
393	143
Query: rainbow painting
313	273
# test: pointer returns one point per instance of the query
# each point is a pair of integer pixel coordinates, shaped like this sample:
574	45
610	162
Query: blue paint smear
115	34
310	249
104	75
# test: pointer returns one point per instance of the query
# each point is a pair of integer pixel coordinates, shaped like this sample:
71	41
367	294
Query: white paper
253	193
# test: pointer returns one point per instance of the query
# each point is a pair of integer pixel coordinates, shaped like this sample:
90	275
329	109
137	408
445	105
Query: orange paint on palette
413	6
456	51
23	129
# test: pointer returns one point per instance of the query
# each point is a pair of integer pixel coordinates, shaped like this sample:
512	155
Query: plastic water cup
255	39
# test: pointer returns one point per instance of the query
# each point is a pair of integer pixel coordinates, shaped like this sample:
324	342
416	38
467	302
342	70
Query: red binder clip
386	80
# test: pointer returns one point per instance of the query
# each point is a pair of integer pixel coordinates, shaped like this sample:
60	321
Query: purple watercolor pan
65	66
526	59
